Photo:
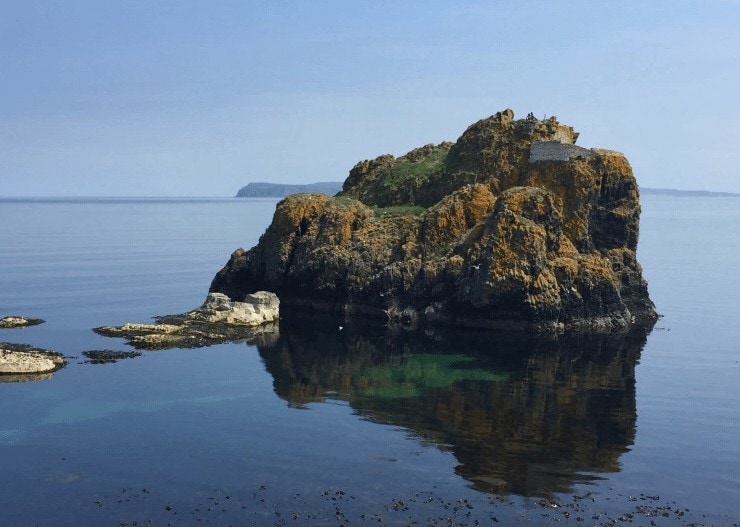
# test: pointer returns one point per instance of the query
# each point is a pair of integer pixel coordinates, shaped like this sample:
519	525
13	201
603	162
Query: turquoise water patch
10	437
77	410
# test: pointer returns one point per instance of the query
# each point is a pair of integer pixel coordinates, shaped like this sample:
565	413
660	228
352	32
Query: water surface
317	425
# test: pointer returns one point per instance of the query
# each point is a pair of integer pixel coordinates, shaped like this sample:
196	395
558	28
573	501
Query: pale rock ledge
10	322
20	359
218	320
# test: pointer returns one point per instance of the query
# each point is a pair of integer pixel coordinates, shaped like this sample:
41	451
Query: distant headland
686	193
279	190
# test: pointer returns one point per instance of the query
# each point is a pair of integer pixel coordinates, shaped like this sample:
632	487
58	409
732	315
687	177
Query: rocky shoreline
218	320
262	504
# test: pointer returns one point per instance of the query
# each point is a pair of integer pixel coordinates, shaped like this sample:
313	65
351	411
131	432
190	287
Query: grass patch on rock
399	210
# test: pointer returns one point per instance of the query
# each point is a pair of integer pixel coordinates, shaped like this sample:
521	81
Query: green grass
381	212
343	201
399	210
406	172
406	181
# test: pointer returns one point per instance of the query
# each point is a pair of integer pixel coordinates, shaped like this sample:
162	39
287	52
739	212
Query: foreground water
366	425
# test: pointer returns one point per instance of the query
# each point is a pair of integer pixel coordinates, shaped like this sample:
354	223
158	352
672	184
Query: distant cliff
278	190
687	193
510	227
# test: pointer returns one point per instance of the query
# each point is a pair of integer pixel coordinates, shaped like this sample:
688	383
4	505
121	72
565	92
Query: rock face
511	227
20	359
218	320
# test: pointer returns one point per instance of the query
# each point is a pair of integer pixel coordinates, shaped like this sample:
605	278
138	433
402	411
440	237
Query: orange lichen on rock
512	226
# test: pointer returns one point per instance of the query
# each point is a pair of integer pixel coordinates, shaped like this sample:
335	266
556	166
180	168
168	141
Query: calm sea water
368	425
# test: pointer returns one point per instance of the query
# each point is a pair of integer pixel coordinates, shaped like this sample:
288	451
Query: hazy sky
198	98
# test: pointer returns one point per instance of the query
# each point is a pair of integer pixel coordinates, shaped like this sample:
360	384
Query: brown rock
512	226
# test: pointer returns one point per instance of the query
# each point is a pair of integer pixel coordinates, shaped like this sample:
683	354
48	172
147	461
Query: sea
352	422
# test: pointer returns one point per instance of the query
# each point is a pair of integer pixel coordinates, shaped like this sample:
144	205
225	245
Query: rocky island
513	226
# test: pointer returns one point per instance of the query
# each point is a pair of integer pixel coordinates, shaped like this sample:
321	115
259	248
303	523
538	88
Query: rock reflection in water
25	377
521	415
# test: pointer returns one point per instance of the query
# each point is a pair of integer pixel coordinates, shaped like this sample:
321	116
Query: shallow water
321	426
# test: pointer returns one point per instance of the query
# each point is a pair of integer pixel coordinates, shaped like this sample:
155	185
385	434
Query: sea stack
513	226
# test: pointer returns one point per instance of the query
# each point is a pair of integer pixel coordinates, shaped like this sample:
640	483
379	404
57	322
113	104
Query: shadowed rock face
502	229
521	415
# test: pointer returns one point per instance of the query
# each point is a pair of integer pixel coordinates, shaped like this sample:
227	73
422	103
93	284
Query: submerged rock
218	320
21	359
19	322
511	227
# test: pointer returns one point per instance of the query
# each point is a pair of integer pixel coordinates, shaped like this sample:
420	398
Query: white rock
18	322
257	308
27	362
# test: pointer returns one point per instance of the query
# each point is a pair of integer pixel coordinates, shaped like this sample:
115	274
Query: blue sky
195	98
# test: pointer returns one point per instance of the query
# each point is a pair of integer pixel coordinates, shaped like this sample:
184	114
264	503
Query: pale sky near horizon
194	98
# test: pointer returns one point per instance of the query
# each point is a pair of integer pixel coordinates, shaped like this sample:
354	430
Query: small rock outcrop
19	322
510	227
218	320
108	356
21	359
